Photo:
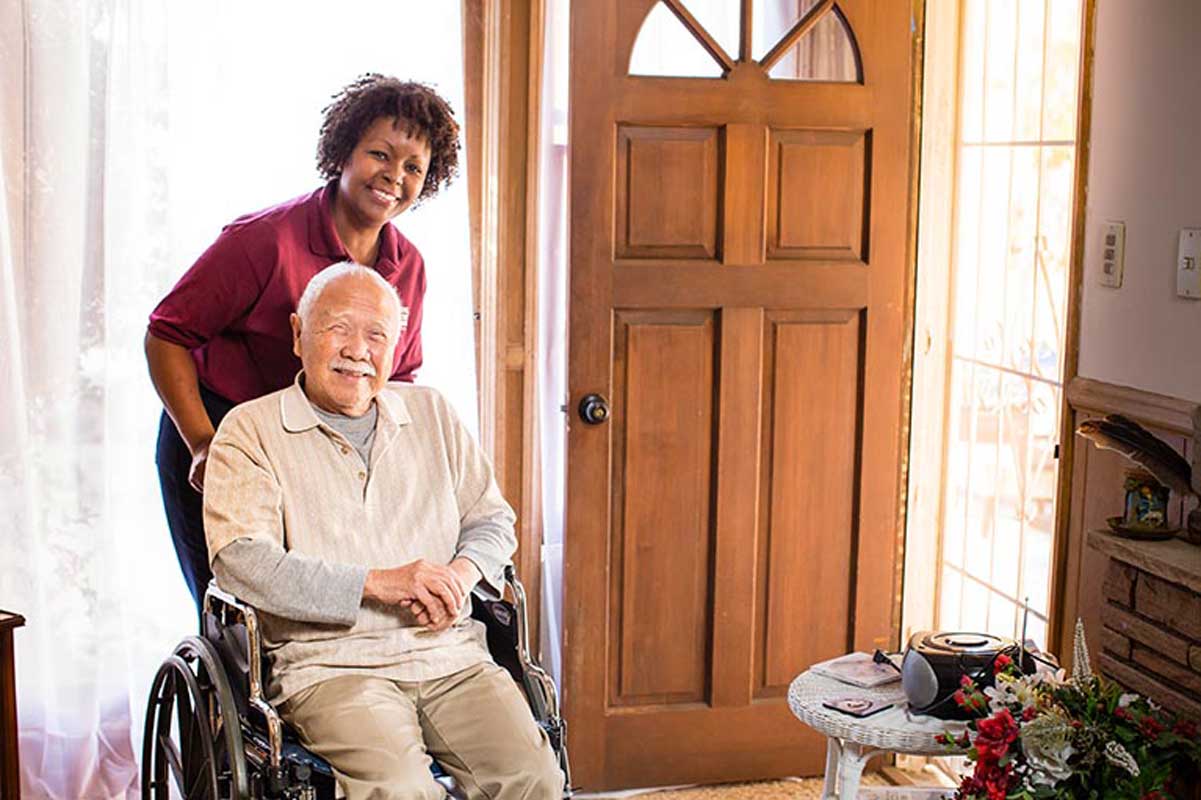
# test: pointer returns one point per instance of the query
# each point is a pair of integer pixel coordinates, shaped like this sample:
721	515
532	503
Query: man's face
347	345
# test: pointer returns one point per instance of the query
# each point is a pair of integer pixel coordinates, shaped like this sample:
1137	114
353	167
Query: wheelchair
211	735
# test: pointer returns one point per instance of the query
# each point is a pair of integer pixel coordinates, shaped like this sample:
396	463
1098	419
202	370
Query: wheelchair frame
201	734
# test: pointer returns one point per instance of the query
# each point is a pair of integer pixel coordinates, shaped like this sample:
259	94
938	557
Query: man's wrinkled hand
431	592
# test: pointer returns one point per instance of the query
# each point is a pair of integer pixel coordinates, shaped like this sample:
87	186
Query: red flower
1150	727
988	780
960	698
1185	729
1000	663
1122	713
1029	713
966	682
993	737
999	726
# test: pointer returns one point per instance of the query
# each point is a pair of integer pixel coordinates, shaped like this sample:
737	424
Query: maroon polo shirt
231	308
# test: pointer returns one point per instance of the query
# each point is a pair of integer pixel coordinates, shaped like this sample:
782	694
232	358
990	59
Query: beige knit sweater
276	472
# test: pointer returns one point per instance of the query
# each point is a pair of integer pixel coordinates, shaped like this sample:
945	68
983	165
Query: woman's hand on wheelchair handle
196	472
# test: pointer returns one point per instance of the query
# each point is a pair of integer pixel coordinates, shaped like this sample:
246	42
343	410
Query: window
805	40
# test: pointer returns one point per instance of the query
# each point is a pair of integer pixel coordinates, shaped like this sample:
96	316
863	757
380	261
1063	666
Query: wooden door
740	293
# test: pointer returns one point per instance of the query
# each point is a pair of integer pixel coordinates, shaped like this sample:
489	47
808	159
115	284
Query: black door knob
594	409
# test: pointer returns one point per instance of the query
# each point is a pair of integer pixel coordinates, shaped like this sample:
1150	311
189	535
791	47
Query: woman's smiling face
385	172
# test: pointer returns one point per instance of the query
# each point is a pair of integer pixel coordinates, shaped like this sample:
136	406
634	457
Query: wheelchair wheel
192	738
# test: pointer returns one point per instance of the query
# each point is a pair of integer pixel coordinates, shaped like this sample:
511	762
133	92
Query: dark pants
183	504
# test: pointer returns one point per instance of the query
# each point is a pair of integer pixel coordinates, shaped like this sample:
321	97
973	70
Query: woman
222	337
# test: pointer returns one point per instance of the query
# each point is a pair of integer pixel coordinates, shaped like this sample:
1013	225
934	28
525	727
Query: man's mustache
358	367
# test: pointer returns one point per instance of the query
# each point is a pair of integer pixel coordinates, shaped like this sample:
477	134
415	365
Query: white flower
1126	699
1045	740
1082	668
1050	677
1120	757
1010	692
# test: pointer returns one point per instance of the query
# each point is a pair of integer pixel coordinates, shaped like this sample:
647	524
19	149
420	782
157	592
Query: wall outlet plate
1188	264
1113	254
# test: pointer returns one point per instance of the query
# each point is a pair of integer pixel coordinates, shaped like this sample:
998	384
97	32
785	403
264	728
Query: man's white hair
343	269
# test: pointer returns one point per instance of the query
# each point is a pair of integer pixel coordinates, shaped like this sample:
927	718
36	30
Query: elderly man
358	515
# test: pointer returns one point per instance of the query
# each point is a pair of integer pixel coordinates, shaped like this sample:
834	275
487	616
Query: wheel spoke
171	755
198	758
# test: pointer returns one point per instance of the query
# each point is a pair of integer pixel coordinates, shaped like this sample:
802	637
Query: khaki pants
378	735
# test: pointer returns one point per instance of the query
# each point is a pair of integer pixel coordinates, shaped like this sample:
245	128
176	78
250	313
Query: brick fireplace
1151	635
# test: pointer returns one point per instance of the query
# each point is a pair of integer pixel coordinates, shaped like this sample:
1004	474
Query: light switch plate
1188	264
1113	254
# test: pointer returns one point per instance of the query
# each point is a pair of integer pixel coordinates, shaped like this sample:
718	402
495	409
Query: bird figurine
1124	435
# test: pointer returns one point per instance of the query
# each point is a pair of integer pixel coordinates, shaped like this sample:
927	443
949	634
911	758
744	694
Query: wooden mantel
1173	560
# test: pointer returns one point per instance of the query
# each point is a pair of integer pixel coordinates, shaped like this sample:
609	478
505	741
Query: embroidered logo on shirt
404	318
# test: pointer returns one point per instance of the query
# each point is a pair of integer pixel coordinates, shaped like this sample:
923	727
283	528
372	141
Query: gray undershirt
359	431
290	584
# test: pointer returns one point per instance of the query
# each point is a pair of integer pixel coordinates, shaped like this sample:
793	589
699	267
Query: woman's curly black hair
352	111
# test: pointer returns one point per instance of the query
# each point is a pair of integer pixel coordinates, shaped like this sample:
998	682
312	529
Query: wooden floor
788	789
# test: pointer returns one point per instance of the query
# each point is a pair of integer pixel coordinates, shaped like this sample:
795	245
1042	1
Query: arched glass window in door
666	48
825	51
800	40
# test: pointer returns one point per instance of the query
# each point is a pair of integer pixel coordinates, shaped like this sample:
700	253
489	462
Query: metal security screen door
1015	172
740	230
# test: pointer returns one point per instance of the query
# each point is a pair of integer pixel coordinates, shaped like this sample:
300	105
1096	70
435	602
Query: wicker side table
851	741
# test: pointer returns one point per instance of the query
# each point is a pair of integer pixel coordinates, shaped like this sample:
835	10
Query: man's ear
294	319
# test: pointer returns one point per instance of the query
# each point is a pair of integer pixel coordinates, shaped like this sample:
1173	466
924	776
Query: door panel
807	552
662	535
652	224
738	516
816	189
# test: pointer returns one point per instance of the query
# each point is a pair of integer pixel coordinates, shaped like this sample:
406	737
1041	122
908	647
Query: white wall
1145	170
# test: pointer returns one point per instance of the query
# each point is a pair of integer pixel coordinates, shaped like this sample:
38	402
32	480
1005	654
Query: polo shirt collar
323	236
297	415
295	411
392	408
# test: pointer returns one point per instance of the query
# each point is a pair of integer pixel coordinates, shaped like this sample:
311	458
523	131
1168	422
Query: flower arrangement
1047	736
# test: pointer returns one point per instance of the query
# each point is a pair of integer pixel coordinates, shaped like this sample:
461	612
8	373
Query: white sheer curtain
552	322
130	131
